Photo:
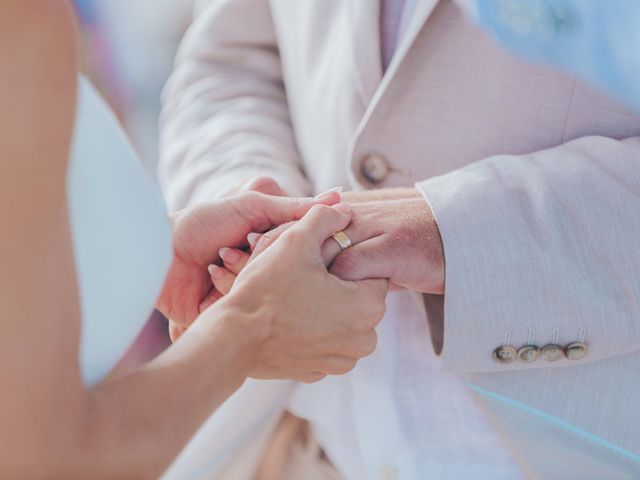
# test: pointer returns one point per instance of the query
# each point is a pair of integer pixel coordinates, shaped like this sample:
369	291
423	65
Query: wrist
242	325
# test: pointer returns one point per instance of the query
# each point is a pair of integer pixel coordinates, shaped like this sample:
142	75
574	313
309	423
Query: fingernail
204	305
228	255
343	207
328	193
215	271
252	238
332	190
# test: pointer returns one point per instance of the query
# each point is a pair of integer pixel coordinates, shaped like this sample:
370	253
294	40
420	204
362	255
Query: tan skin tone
52	425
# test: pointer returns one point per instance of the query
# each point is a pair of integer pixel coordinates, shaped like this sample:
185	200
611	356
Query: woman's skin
275	323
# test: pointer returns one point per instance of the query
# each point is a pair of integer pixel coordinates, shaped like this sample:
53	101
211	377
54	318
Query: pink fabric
390	18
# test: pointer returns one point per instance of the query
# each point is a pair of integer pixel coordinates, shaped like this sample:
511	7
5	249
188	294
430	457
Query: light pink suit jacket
533	177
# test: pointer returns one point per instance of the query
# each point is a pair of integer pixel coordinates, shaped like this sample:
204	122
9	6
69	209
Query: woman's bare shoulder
38	30
38	81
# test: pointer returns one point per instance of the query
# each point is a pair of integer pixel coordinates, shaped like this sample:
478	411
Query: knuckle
370	315
343	366
364	324
369	344
292	202
375	314
289	207
350	365
374	299
294	236
378	308
312	377
251	197
321	210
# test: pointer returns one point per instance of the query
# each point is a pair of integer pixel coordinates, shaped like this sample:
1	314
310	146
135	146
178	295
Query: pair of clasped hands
309	307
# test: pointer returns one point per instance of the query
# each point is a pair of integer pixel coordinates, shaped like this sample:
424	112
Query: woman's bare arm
51	425
38	299
54	427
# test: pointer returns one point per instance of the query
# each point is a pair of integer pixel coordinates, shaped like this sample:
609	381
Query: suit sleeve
540	249
225	117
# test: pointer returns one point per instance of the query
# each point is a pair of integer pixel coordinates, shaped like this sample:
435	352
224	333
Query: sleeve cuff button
552	352
576	350
505	354
528	354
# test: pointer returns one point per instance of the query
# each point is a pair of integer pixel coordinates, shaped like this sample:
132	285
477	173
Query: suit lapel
423	10
373	84
365	22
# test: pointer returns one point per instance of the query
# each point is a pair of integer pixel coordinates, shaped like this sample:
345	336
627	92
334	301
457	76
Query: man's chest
449	98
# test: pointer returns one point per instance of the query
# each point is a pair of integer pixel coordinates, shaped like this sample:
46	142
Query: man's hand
394	236
199	233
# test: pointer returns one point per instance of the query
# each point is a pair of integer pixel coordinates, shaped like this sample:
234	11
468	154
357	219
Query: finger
338	365
253	239
175	331
266	239
369	259
360	345
234	259
213	296
374	294
357	233
321	222
265	211
312	377
221	278
359	339
268	186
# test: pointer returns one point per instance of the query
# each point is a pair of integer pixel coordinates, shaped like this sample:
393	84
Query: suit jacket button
576	350
528	354
505	354
552	352
374	167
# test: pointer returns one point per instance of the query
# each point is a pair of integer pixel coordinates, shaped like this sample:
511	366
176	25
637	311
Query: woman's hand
309	322
200	231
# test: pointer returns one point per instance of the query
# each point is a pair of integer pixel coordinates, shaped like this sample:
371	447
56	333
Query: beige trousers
293	453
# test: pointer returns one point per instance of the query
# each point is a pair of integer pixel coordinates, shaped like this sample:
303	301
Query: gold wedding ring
342	239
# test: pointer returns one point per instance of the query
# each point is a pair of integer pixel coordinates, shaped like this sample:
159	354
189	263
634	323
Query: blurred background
127	50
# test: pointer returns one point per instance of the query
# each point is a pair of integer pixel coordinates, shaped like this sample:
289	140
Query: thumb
268	211
268	186
321	222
